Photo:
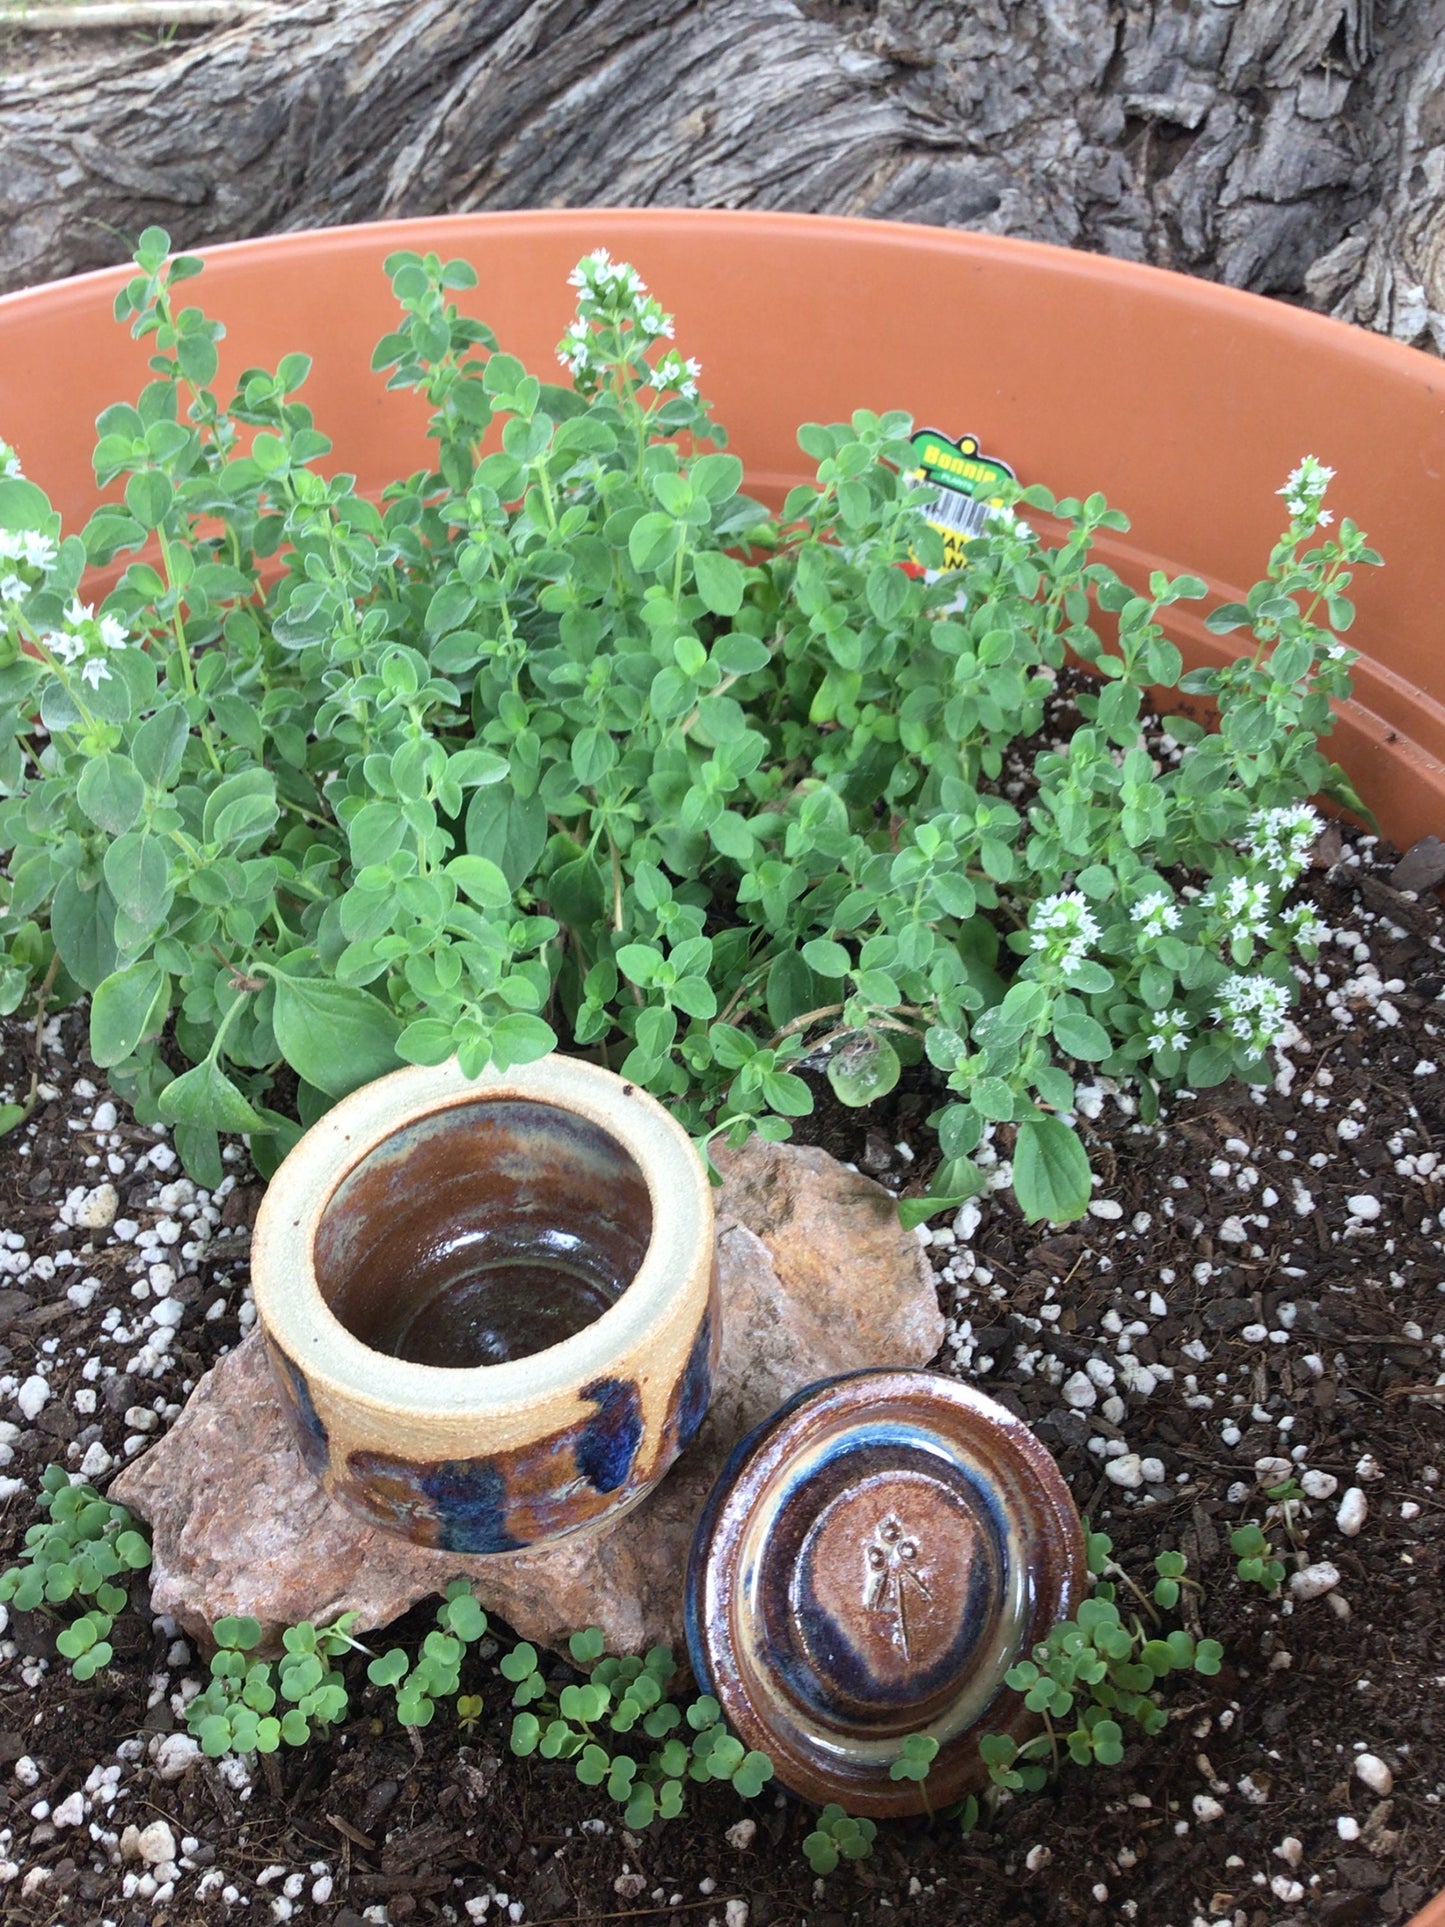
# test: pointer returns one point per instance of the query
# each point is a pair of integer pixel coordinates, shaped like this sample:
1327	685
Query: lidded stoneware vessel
490	1303
871	1562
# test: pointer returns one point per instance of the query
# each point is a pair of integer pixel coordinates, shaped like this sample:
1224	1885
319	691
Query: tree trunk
1291	146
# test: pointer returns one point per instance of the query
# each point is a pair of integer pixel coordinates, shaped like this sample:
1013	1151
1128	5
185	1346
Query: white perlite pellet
32	1396
1313	1582
96	1209
70	1812
1272	1470
175	1755
1354	1510
155	1844
1078	1391
1371	1769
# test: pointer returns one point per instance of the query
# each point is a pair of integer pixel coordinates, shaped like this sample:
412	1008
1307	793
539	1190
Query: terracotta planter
1187	404
490	1304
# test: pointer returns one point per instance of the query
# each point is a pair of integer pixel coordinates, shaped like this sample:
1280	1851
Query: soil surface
1259	1279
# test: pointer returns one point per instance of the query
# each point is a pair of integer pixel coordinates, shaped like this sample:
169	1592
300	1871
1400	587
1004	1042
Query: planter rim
289	1303
1065	262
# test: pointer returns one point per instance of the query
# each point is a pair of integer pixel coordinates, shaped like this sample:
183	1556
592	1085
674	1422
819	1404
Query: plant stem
183	649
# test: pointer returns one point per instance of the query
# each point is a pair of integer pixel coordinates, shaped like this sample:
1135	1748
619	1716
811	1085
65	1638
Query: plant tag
965	485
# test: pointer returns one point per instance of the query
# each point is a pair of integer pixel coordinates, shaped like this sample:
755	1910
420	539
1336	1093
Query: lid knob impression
871	1562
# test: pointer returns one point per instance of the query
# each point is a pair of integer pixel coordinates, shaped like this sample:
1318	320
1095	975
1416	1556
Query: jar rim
296	1317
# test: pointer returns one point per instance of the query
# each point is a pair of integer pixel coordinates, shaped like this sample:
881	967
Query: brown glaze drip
488	1232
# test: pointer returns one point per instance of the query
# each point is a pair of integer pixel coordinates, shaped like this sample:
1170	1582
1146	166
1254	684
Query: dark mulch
1303	1324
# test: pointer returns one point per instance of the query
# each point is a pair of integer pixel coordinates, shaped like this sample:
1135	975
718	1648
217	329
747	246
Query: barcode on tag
961	514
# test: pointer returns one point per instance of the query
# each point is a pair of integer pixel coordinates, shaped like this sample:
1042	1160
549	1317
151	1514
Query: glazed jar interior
482	1233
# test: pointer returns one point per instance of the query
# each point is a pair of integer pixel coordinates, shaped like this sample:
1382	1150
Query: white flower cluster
25	556
1155	915
1171	1030
1253	1009
1283	838
1243	906
85	641
9	461
1305	491
613	300
1002	521
1064	928
598	275
673	372
1304	926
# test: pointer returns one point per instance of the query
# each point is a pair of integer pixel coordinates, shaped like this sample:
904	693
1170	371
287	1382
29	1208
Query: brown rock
816	1278
1421	867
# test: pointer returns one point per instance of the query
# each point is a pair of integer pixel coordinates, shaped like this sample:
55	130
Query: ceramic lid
870	1563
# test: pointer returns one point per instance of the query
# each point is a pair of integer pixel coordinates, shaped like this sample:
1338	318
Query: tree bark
1291	146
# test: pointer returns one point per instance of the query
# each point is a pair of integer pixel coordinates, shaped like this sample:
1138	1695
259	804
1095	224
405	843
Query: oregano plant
565	742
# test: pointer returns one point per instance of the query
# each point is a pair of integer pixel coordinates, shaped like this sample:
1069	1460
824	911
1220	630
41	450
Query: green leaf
639	963
575	893
718	477
520	1038
1080	1035
720	582
148	496
954	1183
1339	789
737	654
111	792
335	1036
390	1667
1051	1171
1228	616
24	506
128	1006
509	829
887	591
593	755
992	1099
136	870
427	1041
792	989
652	542
827	958
482	880
159	744
207	1096
82	922
864	1066
241	809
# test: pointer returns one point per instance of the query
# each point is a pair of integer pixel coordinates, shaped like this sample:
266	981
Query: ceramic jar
490	1303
